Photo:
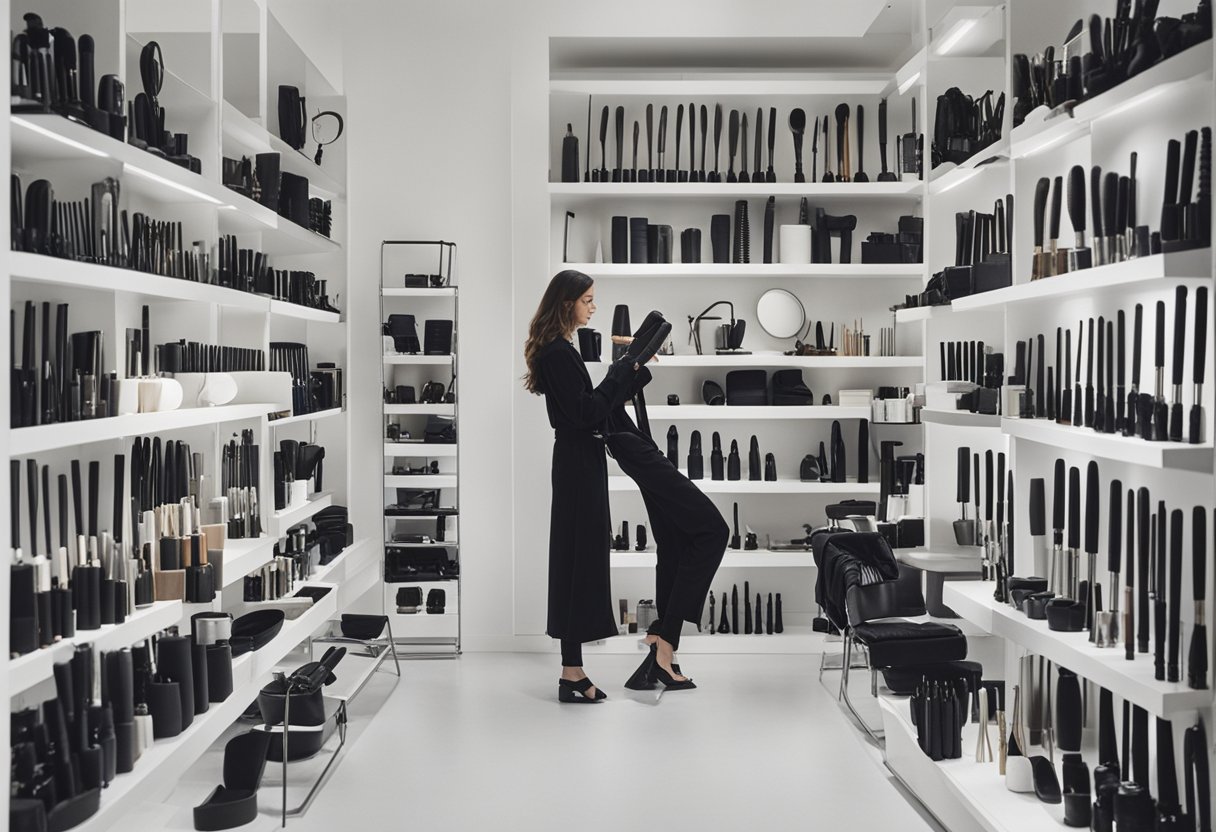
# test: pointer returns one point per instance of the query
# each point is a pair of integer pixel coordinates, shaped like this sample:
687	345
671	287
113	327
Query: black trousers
689	532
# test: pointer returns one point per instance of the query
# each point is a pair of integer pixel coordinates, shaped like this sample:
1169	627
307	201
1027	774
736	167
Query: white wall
449	122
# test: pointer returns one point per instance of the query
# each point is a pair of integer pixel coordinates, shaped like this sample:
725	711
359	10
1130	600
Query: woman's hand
622	340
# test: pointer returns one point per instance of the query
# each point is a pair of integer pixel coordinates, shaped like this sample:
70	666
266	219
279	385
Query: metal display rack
434	523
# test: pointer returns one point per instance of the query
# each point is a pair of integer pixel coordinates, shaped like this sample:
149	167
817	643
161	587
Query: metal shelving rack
425	634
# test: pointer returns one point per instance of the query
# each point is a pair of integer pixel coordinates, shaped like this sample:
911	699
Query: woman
580	602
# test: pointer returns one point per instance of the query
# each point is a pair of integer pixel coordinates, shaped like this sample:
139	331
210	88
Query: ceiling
887	41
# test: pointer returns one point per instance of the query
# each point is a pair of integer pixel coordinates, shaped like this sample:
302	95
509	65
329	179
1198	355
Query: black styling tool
1195	433
1158	430
1176	408
1197	658
1133	392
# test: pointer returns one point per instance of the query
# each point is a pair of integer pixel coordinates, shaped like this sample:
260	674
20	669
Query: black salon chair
860	589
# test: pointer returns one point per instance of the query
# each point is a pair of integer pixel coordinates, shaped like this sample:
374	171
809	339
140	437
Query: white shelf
449	292
425	360
1178	456
977	788
755	271
28	441
959	418
944	178
56	271
910	190
451	542
283	309
243	556
941	561
349	561
281	521
1039	133
920	313
26	671
306	417
776	359
1107	667
758	84
427	450
725	413
734	559
421	481
160	767
781	486
49	138
420	410
1196	264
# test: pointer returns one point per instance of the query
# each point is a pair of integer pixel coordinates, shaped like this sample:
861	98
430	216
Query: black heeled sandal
643	677
568	691
669	681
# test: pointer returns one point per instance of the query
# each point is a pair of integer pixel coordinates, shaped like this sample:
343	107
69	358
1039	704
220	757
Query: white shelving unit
852	294
1101	131
198	97
424	633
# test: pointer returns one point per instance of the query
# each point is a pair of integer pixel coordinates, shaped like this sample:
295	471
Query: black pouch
292	116
747	387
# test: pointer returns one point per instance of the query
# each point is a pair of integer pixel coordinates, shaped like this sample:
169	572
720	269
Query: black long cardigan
580	529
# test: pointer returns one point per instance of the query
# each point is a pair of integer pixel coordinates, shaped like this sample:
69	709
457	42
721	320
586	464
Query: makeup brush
1100	399
1143	562
1158	590
757	150
1089	377
1197	658
1056	582
1078	400
1160	428
1064	413
1092	501
1173	671
1120	374
1073	559
1176	408
1129	596
1195	434
1038	526
1133	392
1108	402
1107	622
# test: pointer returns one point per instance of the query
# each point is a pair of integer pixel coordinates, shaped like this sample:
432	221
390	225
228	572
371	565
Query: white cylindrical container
794	244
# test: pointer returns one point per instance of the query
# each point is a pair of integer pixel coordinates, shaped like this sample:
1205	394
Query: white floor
481	743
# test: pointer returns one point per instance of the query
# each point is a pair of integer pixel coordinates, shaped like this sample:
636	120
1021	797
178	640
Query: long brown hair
554	319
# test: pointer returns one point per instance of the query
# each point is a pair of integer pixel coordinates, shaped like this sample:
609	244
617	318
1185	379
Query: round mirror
326	128
780	313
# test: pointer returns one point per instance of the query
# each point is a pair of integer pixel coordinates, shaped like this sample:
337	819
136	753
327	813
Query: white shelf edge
1106	667
283	309
420	410
848	84
27	441
1179	456
419	449
906	190
775	359
734	559
243	556
990	157
704	412
1032	137
32	668
400	292
759	271
621	483
307	417
959	418
281	521
424	360
420	481
1182	265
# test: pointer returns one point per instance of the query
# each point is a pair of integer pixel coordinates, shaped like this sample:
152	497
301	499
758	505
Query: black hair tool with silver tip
1198	364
